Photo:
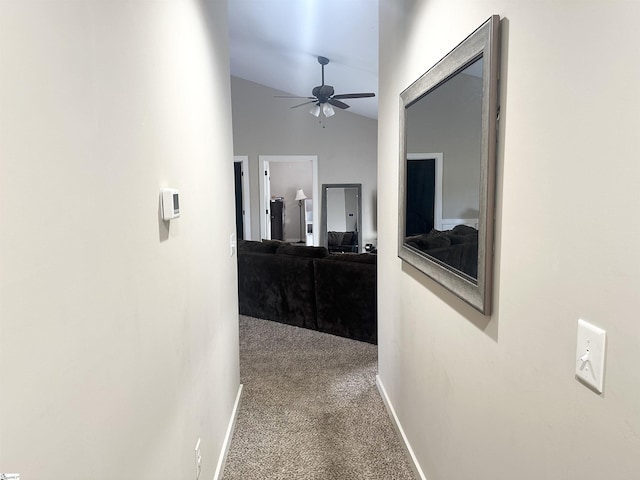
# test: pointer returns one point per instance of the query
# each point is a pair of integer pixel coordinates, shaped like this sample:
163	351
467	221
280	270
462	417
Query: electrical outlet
198	459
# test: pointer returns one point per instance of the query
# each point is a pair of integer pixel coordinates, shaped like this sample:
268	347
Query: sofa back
277	287
346	296
308	287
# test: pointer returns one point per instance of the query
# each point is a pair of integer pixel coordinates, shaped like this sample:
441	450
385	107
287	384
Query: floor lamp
300	196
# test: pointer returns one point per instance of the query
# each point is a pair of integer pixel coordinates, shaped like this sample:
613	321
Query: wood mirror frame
482	43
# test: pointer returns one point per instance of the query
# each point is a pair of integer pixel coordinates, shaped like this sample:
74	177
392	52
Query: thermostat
170	199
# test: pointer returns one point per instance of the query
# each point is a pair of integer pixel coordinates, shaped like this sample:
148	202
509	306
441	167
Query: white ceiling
276	43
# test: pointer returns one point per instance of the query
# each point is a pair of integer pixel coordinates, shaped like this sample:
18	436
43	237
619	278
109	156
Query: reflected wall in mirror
341	229
447	165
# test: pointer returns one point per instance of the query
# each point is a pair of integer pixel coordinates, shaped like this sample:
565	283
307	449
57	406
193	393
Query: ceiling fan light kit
328	110
324	98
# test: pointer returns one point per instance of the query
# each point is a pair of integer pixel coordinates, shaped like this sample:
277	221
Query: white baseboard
396	423
227	438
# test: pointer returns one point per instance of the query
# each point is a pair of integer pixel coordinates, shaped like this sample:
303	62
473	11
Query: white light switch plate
232	244
590	355
198	460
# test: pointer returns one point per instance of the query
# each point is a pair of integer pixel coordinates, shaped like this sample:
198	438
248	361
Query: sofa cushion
274	244
349	238
368	258
342	238
458	239
429	241
464	230
253	246
302	251
462	257
438	233
335	238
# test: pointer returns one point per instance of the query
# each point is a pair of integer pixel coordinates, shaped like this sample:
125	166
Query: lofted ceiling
276	43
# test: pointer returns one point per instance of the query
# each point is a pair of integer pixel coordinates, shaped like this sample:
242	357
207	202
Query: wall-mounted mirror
341	230
447	168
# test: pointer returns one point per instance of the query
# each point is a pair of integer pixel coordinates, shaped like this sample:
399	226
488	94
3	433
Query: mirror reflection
341	217
448	131
443	155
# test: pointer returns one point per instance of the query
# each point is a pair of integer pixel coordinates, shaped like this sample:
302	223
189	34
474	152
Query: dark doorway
237	172
421	182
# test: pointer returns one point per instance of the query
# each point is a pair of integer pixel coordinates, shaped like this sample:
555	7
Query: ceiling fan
324	98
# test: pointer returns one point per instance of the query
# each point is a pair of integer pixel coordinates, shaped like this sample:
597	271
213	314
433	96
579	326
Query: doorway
271	165
243	197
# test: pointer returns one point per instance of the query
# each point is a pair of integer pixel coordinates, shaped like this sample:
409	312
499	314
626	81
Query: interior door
277	220
237	173
421	182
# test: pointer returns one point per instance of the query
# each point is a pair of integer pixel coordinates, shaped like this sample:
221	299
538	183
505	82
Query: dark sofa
342	242
308	287
457	248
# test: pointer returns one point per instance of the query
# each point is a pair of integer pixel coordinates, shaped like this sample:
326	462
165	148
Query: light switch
590	355
232	244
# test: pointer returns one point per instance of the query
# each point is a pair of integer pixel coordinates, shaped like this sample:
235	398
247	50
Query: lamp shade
315	110
300	194
328	110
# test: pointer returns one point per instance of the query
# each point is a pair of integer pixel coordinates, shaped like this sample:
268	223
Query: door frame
314	194
246	195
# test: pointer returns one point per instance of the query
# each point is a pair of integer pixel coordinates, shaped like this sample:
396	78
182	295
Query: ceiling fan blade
290	96
305	103
337	103
354	95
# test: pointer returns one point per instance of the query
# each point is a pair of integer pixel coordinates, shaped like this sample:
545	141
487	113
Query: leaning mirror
447	168
341	230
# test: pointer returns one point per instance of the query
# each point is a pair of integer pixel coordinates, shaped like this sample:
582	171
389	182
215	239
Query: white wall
351	209
495	398
336	218
118	333
346	147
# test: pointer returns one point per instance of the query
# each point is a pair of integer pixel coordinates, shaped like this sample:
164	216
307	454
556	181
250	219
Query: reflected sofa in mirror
341	229
447	168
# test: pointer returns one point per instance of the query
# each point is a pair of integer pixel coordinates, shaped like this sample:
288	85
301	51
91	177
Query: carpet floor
310	409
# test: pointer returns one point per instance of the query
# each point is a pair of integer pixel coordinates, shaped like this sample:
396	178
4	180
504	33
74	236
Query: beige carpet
310	409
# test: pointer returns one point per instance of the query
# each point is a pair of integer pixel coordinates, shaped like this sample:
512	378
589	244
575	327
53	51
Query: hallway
310	409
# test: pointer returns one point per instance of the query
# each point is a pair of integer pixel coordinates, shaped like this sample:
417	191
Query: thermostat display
170	203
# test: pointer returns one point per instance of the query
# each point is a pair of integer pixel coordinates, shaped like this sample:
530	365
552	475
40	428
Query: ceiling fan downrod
323	61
